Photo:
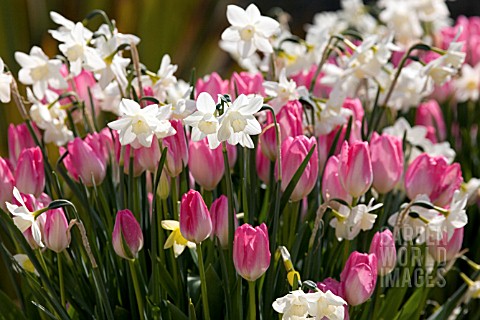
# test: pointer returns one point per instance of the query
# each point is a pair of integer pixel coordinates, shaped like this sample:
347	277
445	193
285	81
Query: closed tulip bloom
85	163
446	187
331	186
195	220
213	84
355	168
246	83
445	250
138	169
55	231
148	158
387	161
430	115
262	165
177	152
29	174
359	277
251	253
19	138
127	237
219	214
294	151
383	246
205	164
7	183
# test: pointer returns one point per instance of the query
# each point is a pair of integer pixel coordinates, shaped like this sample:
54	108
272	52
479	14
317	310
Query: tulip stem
173	186
251	295
203	283
61	280
228	178
136	287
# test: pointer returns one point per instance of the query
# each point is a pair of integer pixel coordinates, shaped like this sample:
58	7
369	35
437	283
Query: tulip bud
446	187
195	220
19	138
127	237
137	168
387	161
213	84
355	168
177	152
85	163
251	253
148	158
262	166
331	186
246	83
359	277
205	164
56	233
383	246
7	183
232	155
29	174
219	214
444	249
430	115
294	151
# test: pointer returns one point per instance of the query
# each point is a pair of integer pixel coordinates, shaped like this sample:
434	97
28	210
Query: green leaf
410	308
10	311
176	313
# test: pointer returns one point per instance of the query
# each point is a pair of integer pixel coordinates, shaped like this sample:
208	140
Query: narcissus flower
204	120
175	239
5	81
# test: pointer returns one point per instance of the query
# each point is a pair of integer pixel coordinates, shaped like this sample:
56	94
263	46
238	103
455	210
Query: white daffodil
5	81
115	64
283	91
348	222
77	51
250	30
138	126
471	189
24	218
58	133
175	239
179	96
456	216
164	79
237	123
66	26
40	72
293	306
25	263
467	86
204	121
326	305
400	17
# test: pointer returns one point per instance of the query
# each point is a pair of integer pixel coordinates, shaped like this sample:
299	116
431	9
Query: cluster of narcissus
329	180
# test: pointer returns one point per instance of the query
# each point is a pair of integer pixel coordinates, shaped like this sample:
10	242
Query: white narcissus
165	78
204	120
456	216
283	91
250	30
467	86
40	72
138	126
326	305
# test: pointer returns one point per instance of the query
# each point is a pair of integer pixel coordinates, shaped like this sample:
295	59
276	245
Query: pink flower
205	164
148	158
304	78
246	83
355	168
262	165
445	250
383	246
195	220
430	115
127	237
138	169
177	152
359	277
19	138
55	232
30	174
331	186
387	161
213	84
219	214
7	183
294	151
251	253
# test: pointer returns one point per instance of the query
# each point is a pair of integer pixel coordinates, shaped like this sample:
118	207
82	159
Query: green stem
173	186
203	283
136	286
252	313
61	280
228	178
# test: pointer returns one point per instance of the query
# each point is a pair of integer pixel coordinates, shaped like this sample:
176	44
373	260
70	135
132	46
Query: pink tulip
355	168
304	78
148	158
177	152
331	186
430	115
127	232
195	220
30	174
86	162
330	284
206	165
446	187
387	161
294	151
445	250
251	253
19	138
246	83
213	84
219	214
359	277
262	165
138	169
383	246
7	183
83	81
55	232
232	155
